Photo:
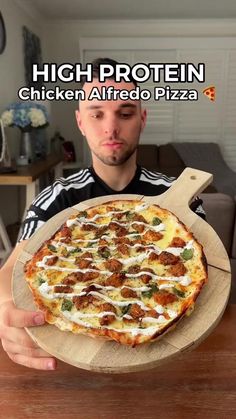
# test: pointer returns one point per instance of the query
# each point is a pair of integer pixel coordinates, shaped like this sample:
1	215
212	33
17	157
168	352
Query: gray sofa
221	214
220	207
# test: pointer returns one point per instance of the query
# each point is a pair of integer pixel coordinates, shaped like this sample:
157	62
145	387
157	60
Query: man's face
112	128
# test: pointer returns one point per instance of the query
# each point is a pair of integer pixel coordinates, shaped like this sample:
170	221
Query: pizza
210	92
124	270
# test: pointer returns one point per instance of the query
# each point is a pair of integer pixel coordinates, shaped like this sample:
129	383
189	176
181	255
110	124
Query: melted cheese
83	241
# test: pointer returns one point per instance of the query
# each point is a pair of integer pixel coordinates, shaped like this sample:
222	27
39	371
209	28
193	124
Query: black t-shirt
67	192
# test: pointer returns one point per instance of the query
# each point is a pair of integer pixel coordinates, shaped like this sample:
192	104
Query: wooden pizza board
97	354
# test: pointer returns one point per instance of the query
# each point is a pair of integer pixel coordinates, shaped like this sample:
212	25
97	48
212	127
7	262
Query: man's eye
126	115
96	115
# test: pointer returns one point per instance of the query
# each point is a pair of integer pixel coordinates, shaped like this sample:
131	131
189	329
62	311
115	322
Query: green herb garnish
153	288
90	244
71	252
66	305
83	214
126	309
104	253
179	292
156	221
41	280
137	237
187	254
52	248
147	294
129	215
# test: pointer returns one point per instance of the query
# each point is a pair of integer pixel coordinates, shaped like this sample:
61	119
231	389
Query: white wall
11	78
60	43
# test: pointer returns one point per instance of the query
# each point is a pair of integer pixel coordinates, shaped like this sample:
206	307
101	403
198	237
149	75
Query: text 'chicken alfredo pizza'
124	270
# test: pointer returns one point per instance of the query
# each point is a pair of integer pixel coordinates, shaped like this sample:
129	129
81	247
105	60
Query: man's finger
17	335
23	318
37	363
15	348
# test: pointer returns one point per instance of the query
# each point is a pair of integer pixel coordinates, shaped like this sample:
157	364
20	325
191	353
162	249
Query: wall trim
153	43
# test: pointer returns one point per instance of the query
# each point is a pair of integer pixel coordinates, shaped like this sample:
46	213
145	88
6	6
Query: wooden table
29	175
201	384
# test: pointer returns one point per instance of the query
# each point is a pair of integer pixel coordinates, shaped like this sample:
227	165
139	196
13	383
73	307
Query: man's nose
111	127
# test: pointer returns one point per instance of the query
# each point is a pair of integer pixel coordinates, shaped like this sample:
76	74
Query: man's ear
79	121
143	118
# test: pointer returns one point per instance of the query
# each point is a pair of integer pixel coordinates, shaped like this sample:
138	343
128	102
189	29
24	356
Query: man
112	130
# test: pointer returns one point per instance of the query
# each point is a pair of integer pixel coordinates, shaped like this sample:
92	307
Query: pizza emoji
210	92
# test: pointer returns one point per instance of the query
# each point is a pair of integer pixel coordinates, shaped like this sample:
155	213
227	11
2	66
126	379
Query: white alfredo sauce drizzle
178	250
138	208
141	207
157	228
59	244
160	319
45	289
174	250
119	303
133	331
140	258
172	313
183	280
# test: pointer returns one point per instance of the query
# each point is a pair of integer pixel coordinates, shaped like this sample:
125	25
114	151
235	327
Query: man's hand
15	340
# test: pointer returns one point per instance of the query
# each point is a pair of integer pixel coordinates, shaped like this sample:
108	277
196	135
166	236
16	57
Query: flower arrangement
25	115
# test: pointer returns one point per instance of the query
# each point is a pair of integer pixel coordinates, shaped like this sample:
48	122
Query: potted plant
29	117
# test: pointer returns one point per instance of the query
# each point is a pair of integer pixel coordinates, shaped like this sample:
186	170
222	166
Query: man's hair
96	70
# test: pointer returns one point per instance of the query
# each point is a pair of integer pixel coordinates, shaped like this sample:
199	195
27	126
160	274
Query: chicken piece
113	265
177	270
128	293
153	235
177	242
167	258
164	297
116	279
52	261
136	312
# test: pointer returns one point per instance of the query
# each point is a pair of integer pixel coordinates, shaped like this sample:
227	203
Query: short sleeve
196	206
35	218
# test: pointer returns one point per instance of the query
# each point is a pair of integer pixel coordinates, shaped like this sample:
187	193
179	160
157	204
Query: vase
26	151
5	157
39	140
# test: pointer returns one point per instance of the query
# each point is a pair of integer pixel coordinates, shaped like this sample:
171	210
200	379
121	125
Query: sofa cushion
220	213
168	157
170	162
208	157
147	156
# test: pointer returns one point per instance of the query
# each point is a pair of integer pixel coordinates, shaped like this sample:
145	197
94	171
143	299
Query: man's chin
115	160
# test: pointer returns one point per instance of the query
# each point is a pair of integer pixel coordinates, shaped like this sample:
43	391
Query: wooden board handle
190	183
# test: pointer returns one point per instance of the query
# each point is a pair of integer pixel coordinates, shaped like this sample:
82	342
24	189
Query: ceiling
131	9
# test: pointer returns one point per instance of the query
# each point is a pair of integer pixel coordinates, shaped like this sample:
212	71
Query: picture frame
5	157
32	55
3	37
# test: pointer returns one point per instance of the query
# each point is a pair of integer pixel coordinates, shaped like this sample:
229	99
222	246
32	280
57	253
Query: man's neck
116	177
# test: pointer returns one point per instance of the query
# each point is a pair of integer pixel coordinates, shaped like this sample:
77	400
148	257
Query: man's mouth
113	145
